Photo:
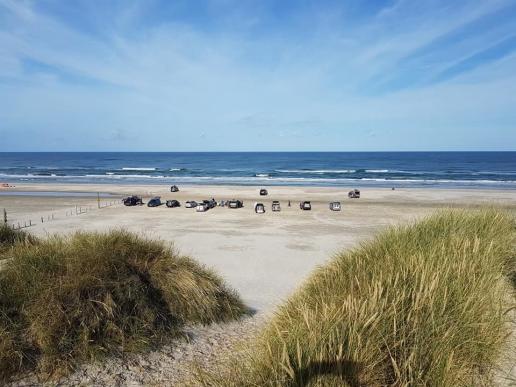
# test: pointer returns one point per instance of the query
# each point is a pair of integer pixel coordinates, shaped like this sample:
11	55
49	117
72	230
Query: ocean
357	169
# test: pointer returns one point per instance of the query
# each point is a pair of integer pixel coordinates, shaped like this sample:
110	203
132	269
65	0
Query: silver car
202	207
335	206
191	204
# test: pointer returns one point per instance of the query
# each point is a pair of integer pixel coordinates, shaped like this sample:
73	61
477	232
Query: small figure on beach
289	203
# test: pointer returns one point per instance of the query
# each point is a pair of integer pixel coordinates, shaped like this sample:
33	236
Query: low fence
38	219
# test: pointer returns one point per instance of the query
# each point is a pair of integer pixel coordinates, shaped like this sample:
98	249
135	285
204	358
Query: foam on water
437	169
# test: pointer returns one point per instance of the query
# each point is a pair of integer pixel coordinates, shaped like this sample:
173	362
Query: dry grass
8	237
71	299
423	304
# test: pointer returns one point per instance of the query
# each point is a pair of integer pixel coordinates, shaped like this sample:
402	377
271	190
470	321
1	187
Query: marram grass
65	300
8	237
423	304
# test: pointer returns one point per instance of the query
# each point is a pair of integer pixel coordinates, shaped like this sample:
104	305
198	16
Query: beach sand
264	257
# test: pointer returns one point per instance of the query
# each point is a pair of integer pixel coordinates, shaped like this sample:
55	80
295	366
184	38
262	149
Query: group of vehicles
156	202
306	205
206	205
203	206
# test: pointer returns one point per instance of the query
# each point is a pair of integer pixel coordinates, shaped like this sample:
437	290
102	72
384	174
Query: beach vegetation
420	304
9	237
71	299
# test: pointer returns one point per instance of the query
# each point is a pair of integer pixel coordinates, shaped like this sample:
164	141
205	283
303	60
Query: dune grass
8	237
423	304
66	300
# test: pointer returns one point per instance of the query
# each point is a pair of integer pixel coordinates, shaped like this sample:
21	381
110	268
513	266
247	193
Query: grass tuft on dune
66	300
423	304
9	237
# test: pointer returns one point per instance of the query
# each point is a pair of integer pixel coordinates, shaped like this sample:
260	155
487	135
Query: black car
354	194
173	203
210	203
174	188
263	192
306	206
154	202
235	203
132	201
259	208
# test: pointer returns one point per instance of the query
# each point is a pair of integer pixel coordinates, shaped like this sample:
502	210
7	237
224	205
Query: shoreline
361	183
115	188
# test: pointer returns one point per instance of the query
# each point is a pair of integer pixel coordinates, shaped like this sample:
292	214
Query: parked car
174	188
191	204
306	206
133	201
154	202
259	208
173	203
202	207
263	192
210	203
235	203
354	194
335	206
276	206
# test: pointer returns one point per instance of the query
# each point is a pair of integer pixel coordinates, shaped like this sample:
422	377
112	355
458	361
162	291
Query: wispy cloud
107	76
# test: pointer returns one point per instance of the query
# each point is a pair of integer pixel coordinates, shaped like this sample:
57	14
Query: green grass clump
71	299
423	304
9	237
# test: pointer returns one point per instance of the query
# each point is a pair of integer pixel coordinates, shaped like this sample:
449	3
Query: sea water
382	169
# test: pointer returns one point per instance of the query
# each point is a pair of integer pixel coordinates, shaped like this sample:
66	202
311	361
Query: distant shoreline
220	191
49	186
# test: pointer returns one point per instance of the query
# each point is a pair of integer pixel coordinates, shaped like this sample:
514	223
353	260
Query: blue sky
263	75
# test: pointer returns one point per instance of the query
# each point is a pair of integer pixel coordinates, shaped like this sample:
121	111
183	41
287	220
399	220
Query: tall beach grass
66	300
422	304
9	237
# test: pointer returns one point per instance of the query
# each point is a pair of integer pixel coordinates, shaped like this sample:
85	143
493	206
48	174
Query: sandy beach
264	257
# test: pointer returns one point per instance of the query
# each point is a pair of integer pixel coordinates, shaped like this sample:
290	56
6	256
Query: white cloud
174	80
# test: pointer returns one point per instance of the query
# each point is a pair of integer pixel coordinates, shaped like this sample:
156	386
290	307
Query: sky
262	75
